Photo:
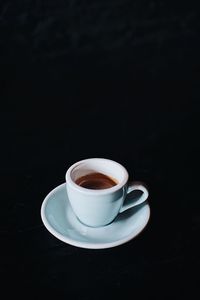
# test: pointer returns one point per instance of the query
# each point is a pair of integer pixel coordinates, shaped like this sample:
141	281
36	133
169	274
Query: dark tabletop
114	79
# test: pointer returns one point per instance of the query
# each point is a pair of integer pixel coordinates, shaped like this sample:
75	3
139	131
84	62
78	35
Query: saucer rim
80	244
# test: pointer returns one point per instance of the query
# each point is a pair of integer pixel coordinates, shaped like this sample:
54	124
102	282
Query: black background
114	79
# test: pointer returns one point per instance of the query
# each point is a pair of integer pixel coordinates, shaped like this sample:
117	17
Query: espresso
96	181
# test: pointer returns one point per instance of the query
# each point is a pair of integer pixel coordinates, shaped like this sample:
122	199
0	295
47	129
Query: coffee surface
96	181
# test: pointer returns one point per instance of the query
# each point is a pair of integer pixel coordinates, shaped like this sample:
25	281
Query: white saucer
59	219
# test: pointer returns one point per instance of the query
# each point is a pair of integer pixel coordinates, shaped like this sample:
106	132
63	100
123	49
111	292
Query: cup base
95	226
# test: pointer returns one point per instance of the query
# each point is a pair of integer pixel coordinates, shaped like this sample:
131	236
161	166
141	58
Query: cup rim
96	192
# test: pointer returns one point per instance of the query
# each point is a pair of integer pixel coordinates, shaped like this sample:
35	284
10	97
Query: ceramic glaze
97	208
60	220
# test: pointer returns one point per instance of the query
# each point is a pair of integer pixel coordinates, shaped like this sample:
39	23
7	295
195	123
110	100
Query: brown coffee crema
96	181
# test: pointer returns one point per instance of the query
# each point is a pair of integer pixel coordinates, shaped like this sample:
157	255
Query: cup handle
137	185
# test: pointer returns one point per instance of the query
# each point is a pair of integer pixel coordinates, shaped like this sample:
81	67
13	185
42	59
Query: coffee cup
97	189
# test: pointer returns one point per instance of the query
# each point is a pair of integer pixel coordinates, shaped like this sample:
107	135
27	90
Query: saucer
59	219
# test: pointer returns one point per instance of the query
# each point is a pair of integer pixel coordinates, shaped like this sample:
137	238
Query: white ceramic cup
97	208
